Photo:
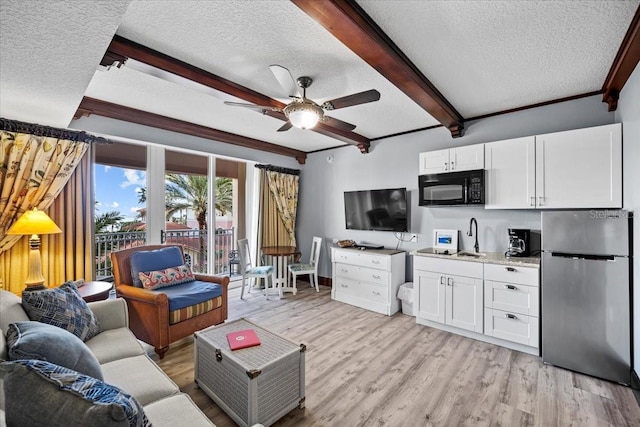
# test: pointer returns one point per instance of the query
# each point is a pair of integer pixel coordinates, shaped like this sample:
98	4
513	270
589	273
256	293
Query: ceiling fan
303	112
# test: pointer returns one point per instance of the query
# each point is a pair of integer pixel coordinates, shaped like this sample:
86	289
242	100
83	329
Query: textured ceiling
483	56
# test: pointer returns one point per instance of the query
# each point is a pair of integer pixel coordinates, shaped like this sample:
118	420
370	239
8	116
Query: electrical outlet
414	238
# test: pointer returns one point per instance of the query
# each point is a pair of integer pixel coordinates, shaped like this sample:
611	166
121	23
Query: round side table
95	291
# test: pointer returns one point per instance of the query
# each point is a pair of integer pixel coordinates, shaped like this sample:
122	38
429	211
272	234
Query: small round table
95	291
280	255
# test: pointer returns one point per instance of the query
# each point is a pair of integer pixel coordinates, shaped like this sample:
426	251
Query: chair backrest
121	262
315	251
245	255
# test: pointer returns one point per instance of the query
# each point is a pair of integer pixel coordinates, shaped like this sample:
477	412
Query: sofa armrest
220	280
111	313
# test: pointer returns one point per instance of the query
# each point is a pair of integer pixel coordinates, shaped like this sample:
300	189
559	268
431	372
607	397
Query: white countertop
489	257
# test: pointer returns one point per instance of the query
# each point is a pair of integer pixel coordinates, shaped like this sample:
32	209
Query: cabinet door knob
511	287
511	269
442	280
533	201
511	316
449	281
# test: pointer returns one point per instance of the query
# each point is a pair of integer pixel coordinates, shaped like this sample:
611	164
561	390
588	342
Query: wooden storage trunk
258	384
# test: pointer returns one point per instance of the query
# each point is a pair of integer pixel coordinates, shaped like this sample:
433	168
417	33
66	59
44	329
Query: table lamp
34	222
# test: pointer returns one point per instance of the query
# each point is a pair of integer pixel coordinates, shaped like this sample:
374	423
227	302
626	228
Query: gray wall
629	114
394	163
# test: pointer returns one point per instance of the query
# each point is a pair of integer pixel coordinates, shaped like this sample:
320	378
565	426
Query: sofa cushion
64	397
140	377
114	344
158	259
191	293
35	340
10	311
168	277
177	410
63	307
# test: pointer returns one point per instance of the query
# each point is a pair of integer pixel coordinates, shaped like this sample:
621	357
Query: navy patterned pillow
63	307
41	393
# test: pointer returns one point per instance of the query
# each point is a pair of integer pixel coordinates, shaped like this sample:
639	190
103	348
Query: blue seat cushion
263	269
301	267
190	293
159	259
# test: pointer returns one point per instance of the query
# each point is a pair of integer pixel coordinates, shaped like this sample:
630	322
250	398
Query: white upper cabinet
470	157
580	168
564	170
511	174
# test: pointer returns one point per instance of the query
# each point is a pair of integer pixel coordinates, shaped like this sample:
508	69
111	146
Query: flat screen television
381	210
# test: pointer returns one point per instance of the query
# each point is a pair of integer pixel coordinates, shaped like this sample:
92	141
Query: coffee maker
518	242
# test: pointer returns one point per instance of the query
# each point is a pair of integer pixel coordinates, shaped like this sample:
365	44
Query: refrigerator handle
583	256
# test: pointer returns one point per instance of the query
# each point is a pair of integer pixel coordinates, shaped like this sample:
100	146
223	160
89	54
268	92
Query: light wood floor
366	369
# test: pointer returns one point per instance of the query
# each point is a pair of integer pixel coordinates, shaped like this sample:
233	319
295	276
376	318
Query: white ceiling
483	56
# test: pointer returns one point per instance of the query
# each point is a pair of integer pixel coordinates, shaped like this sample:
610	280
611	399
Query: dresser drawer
369	291
513	327
346	286
511	274
362	259
362	274
513	298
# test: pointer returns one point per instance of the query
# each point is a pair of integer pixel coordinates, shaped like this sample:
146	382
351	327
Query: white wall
394	163
628	113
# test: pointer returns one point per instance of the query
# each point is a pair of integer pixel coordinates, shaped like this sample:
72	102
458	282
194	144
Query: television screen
382	210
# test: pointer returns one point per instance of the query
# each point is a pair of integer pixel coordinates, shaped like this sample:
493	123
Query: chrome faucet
476	247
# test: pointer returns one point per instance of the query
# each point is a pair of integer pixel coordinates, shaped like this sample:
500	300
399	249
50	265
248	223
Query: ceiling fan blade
286	80
255	107
339	124
351	100
285	127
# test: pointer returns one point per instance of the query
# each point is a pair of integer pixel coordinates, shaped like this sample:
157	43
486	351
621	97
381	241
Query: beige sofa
123	361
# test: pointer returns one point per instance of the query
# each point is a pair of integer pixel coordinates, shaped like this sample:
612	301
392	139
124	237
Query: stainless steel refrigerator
586	292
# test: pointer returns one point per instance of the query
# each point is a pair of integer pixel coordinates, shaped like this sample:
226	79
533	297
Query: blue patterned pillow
63	307
158	259
167	277
41	393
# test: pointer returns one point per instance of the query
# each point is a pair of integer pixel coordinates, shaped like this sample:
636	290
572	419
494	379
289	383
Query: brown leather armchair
149	310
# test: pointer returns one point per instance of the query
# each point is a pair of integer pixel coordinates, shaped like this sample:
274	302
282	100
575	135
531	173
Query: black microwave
453	188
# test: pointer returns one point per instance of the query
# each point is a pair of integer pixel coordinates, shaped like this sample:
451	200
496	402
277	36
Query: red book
242	339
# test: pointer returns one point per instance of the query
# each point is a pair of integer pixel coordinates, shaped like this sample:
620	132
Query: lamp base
34	279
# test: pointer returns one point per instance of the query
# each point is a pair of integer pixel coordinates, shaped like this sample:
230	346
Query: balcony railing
194	243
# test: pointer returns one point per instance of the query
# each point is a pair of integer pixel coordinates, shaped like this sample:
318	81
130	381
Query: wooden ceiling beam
623	65
350	24
121	49
90	106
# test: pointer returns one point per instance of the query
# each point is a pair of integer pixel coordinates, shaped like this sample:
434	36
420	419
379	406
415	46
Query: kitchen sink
471	254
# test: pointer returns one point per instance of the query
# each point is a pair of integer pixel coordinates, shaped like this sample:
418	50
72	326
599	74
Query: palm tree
104	222
224	195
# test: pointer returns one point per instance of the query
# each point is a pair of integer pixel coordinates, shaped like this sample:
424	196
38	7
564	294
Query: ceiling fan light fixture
303	115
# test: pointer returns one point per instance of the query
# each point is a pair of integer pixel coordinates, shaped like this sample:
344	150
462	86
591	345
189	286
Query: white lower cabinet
368	279
445	297
491	302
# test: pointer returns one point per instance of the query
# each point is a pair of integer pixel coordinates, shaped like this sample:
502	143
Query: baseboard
635	385
324	281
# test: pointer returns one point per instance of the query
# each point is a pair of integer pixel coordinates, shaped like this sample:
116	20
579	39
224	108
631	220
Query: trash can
405	294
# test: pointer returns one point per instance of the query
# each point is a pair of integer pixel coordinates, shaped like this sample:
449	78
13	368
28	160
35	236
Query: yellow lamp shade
34	222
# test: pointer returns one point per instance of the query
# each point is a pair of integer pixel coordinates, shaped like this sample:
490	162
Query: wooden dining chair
311	268
248	270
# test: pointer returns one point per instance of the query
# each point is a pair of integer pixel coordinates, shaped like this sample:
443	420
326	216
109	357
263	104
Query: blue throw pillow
63	307
35	340
39	393
159	259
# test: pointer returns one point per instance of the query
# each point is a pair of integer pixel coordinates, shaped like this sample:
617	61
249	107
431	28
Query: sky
117	190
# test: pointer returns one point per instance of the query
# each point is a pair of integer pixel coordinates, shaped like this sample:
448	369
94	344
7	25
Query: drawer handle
218	355
344	270
376	293
511	269
442	280
511	287
376	276
449	281
375	261
344	286
511	316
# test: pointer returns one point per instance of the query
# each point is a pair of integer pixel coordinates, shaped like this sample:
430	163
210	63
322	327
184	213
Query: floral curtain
284	189
33	171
